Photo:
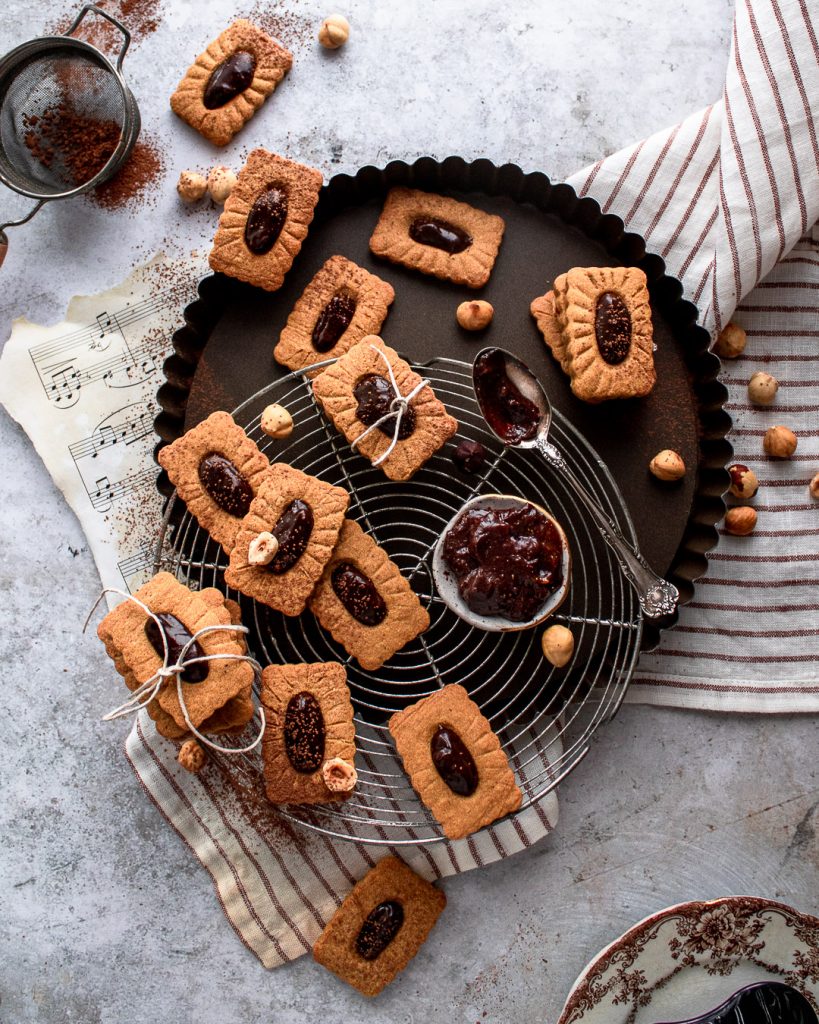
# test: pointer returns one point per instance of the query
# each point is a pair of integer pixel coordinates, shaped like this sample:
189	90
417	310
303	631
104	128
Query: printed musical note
125	426
101	497
136	568
65	387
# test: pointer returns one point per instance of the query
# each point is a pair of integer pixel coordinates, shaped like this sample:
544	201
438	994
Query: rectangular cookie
487	787
124	631
379	927
438	235
341	305
370	626
335	390
309	722
265	220
305	515
543	310
230	80
217	495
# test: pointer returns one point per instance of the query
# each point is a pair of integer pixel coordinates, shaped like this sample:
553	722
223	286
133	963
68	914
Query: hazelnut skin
780	442
813	487
276	421
262	549
731	341
557	643
221	181
192	756
667	465
744	482
334	32
762	388
475	314
191	186
740	521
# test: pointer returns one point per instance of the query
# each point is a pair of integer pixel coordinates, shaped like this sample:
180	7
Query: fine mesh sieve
68	121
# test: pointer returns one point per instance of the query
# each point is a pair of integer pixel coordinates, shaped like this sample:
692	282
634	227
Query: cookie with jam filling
543	310
438	235
216	470
230	80
305	515
265	220
379	927
134	642
364	602
309	722
356	391
341	305
455	761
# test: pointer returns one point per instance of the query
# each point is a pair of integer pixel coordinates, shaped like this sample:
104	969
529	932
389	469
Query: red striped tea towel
724	197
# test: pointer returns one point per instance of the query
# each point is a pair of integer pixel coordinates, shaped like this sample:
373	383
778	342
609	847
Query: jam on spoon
512	416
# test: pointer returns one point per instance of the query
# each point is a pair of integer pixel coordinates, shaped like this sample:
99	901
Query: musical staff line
106	435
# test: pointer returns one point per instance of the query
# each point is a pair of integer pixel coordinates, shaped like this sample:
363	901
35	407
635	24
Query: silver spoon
657	597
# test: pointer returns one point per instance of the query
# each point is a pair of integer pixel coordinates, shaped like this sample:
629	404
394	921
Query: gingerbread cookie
135	642
341	305
309	722
379	927
357	390
216	470
265	220
455	761
438	235
304	514
364	602
228	83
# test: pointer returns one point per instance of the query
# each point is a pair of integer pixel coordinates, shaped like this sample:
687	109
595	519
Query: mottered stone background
104	916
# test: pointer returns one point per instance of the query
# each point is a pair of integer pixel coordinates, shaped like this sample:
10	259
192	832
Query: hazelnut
339	775
762	388
262	549
667	465
779	442
192	756
334	32
191	186
740	521
220	184
731	341
470	456
744	483
558	645
276	421
813	487
475	314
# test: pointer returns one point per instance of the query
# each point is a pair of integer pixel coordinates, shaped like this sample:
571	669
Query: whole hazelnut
744	483
262	549
813	487
220	184
191	186
762	388
731	341
276	421
557	643
192	756
667	465
470	456
475	314
339	775
780	442
334	32
740	521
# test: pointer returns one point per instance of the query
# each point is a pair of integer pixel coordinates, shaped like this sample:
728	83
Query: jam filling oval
292	531
358	594
304	733
177	635
375	395
454	763
266	220
225	484
440	234
230	78
332	322
509	413
612	327
381	926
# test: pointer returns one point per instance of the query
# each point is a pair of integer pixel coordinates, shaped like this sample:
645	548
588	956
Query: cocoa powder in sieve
74	146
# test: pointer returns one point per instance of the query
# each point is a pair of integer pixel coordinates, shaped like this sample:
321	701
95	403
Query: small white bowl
447	584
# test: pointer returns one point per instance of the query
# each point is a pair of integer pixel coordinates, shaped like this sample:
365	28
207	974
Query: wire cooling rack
544	717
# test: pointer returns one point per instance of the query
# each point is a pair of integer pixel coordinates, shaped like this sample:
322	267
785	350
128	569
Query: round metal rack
544	717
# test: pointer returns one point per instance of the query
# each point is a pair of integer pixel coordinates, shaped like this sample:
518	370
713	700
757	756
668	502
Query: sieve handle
108	17
4	242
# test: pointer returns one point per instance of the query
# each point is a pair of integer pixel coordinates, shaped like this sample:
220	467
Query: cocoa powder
140	17
133	180
76	147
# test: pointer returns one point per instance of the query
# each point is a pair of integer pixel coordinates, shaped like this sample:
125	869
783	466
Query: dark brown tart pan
223	354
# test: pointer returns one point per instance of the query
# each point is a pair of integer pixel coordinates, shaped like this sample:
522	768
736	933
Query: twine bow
152	686
398	408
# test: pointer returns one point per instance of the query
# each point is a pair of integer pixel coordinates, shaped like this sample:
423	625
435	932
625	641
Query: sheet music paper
84	391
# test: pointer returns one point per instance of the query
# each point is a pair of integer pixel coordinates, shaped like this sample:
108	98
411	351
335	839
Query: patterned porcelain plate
686	960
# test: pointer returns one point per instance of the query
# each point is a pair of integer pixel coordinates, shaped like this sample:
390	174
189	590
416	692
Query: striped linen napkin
728	198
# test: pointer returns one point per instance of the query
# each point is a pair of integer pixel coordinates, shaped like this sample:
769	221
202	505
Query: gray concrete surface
104	916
